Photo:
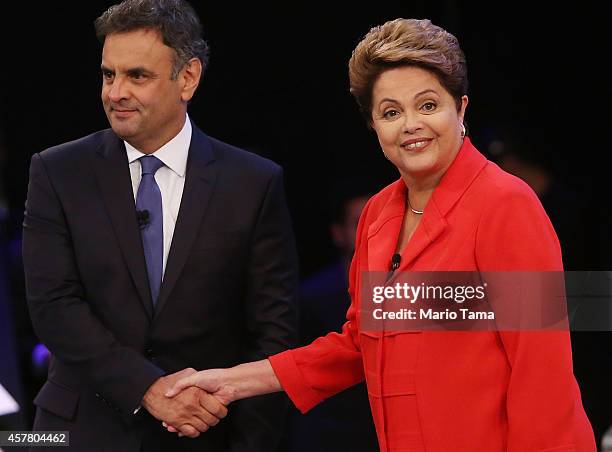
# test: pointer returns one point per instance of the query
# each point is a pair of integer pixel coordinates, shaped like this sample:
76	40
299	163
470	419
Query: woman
450	210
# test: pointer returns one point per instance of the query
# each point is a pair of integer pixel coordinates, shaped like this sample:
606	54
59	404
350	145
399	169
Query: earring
462	131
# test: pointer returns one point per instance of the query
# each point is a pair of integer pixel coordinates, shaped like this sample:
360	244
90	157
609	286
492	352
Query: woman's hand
213	381
235	383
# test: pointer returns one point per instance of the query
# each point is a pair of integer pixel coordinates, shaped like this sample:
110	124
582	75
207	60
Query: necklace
418	212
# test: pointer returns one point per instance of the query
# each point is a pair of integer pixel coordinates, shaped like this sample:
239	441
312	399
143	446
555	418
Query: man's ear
190	78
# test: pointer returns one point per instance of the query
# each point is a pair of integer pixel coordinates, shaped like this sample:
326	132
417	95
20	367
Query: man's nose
118	90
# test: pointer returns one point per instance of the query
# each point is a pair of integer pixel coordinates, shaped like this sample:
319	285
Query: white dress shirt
170	178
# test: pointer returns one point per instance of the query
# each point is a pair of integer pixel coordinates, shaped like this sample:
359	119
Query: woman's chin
418	168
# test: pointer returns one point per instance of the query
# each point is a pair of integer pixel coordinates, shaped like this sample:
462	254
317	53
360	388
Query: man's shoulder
241	159
77	149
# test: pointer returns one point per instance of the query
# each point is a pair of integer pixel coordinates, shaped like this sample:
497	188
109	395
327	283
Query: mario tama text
432	314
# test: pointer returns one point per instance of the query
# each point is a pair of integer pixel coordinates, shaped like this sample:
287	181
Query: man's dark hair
176	21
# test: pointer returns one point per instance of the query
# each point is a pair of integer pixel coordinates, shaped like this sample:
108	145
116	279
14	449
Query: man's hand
207	380
227	385
191	412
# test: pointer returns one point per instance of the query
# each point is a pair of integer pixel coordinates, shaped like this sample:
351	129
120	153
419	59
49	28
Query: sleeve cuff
293	382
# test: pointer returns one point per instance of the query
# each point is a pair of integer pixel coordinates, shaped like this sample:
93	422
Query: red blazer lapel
383	233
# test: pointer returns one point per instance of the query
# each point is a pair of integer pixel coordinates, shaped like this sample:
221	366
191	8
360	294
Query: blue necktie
149	207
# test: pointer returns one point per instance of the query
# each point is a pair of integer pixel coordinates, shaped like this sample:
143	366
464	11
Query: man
151	248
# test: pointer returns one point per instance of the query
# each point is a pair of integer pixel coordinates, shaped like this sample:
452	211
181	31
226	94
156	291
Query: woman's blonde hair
406	42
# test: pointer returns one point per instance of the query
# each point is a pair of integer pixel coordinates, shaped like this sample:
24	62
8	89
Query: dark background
278	85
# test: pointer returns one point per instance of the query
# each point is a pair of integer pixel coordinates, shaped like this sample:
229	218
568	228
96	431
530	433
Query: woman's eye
390	114
428	106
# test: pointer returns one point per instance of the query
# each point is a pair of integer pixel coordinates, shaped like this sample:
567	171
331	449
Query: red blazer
475	391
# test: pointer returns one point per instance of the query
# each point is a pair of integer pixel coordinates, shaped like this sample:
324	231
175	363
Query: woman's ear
462	108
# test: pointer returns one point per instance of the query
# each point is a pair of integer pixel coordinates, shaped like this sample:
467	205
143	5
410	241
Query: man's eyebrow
139	70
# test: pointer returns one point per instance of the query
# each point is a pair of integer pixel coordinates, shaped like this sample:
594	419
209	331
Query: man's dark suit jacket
227	296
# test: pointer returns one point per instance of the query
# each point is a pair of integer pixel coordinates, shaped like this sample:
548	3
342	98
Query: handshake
190	402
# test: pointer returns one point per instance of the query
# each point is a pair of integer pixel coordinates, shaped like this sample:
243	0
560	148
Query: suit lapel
199	182
113	177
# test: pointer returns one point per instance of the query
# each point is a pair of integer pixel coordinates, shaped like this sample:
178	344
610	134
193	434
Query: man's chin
122	132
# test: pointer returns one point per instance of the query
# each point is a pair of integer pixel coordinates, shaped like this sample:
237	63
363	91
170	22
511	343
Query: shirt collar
173	154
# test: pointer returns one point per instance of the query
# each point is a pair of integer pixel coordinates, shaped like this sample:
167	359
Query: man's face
143	105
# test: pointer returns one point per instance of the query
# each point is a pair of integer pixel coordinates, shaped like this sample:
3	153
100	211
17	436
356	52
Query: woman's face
417	122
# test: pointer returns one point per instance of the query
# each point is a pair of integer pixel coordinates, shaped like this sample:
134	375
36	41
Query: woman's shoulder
509	203
499	185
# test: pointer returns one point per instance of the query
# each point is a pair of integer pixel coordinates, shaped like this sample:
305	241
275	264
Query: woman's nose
412	123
